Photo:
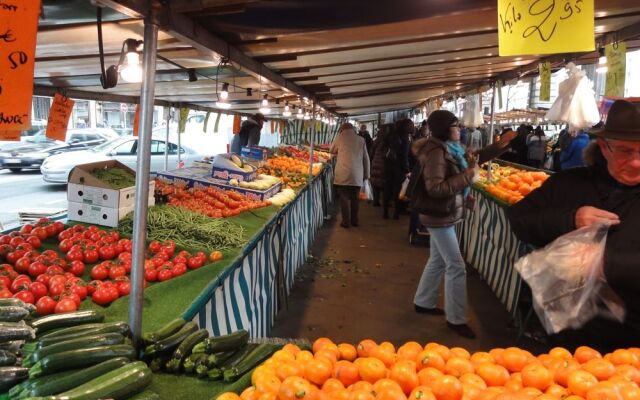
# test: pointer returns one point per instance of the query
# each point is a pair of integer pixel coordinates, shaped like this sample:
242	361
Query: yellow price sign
530	27
616	73
545	81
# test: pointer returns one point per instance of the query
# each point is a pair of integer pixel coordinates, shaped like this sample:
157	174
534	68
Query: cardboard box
255	153
97	215
87	189
226	175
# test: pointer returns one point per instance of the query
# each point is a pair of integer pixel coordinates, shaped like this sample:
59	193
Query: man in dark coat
364	133
606	191
249	133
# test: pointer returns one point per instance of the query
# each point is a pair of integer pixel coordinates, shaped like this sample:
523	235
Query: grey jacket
352	161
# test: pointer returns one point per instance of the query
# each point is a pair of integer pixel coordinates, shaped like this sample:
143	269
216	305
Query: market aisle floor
360	284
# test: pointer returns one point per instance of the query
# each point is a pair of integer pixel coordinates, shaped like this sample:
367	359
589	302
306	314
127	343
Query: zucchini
11	376
117	384
80	358
55	321
70	379
159	363
239	355
232	341
215	374
11	331
16	391
12	301
218	359
121	327
7	358
164	332
190	362
13	313
252	360
146	395
74	344
233	360
169	343
184	349
97	329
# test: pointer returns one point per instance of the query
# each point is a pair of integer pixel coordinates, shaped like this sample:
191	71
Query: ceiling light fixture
191	72
287	111
264	108
300	115
249	92
224	94
128	66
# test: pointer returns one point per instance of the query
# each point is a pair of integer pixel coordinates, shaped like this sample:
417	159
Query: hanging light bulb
307	116
300	115
132	71
223	104
602	67
225	91
287	111
264	108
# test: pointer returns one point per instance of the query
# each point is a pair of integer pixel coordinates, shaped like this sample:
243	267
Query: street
27	191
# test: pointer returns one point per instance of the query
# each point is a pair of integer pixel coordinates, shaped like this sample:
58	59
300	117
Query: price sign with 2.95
531	27
18	28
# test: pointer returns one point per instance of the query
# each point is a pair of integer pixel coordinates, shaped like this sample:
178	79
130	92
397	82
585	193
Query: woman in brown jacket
440	194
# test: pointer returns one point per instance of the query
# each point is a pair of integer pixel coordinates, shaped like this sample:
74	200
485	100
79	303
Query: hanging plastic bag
567	280
366	192
576	102
403	189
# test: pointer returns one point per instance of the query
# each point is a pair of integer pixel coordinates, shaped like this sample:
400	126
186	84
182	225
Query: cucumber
71	379
7	358
80	358
169	343
252	360
11	376
117	384
184	349
13	313
190	362
217	344
164	332
55	321
74	344
10	331
97	329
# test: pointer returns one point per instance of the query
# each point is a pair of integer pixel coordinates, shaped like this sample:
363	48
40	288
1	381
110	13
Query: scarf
457	152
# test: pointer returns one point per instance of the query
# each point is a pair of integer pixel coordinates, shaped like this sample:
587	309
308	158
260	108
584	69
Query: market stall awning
357	58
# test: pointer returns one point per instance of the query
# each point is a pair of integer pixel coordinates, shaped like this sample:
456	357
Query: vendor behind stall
606	191
249	133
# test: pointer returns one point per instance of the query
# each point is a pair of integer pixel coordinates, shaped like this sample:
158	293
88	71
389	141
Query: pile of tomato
211	202
53	280
372	371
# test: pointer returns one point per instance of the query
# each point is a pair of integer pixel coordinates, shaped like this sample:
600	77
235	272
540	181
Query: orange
422	393
600	368
529	392
580	381
318	371
361	385
390	394
426	376
603	391
291	348
289	368
347	352
630	393
330	349
430	358
513	359
283	355
444	352
361	394
383	354
329	355
480	357
585	353
561	352
472	379
268	396
295	388
371	369
470	392
385	384
623	356
557	390
404	373
492	374
514	383
564	369
409	351
228	396
457	366
250	393
365	346
489	393
346	372
320	343
536	376
332	385
496	354
268	384
460	352
388	346
304	355
629	372
447	387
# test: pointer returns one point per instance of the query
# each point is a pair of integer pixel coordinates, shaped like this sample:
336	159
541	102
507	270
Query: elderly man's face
623	160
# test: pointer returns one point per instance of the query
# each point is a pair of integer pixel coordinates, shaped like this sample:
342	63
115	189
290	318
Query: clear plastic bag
366	192
567	280
403	189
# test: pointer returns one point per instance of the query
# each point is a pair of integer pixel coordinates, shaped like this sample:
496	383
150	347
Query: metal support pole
179	147
491	124
166	147
313	134
142	182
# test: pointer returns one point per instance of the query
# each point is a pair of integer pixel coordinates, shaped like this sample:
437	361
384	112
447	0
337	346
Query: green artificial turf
173	387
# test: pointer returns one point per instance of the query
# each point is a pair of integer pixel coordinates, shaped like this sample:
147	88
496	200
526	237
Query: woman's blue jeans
444	259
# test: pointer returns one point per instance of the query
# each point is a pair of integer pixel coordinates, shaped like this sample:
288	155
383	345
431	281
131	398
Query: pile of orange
371	371
515	187
292	171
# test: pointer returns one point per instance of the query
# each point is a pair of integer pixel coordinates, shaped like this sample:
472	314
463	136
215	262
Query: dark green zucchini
252	360
13	313
68	381
169	343
217	344
218	359
184	349
11	376
98	329
12	301
25	386
74	344
120	383
159	363
80	358
10	331
7	358
54	321
215	371
166	331
122	327
190	362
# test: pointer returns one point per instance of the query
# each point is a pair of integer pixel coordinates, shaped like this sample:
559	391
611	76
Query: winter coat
549	212
443	180
377	162
536	147
368	140
571	157
352	161
396	160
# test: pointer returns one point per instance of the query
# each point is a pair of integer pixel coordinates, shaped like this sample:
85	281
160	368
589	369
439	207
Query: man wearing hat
605	191
249	133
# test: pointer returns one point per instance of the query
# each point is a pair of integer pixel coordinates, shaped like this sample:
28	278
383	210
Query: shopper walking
439	196
536	148
378	153
572	156
364	133
352	168
396	165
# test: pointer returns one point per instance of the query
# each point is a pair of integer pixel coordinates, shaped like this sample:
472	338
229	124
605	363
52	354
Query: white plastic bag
403	189
567	280
366	192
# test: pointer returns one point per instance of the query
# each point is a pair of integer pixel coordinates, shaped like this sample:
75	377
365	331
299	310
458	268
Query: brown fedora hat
623	122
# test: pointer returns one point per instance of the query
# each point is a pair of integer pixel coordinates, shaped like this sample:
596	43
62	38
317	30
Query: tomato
91	255
123	288
65	305
126	244
101	296
57	279
77	268
41	233
184	254
179	269
92	287
5	281
21	282
44	278
74	254
5	239
51	230
169	247
65	234
22	265
5	293
150	274
59	226
65	245
180	259
38	289
195	262
24	247
80	290
14	256
54	270
56	289
99	272
36	269
25	296
163	255
34	241
106	253
215	256
117	271
50	254
67	294
45	305
157	262
164	275
154	246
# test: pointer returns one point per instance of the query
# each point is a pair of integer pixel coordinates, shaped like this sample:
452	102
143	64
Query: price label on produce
528	27
545	81
18	28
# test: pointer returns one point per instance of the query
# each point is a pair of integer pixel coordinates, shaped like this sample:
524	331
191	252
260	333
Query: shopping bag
567	280
403	189
366	192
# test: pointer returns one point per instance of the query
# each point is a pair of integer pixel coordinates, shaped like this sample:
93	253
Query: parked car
56	168
36	127
31	153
